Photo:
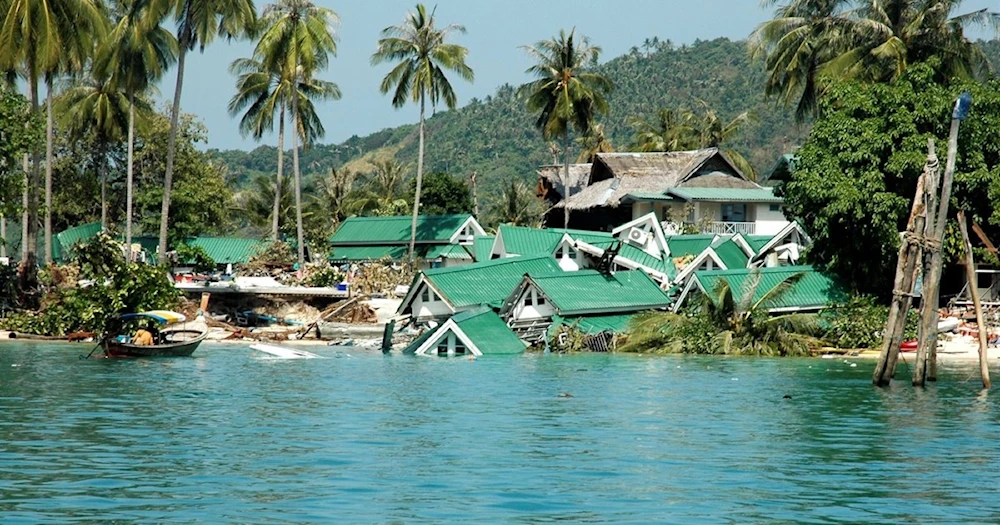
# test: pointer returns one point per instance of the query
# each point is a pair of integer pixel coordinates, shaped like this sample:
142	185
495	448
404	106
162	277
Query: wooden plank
982	237
970	272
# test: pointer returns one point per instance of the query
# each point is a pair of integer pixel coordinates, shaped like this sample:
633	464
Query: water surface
226	437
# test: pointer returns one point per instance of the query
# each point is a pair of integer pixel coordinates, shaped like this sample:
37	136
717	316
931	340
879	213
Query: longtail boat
172	341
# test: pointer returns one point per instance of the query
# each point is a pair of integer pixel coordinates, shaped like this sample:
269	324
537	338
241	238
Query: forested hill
496	137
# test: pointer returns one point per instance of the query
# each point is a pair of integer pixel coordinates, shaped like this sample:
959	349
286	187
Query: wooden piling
906	270
970	272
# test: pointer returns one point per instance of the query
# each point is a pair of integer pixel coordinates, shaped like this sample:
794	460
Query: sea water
227	437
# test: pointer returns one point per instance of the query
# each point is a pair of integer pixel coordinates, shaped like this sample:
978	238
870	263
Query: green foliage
857	173
442	194
322	275
859	323
109	286
195	255
20	131
728	322
516	205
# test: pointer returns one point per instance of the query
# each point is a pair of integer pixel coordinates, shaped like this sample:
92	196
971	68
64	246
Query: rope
926	243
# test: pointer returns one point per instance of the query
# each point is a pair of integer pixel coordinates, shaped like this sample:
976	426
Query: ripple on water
224	437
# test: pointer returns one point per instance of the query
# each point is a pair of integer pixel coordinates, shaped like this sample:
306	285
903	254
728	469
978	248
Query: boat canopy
160	316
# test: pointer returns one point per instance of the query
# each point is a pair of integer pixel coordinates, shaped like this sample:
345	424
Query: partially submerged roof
595	324
480	330
813	291
431	229
592	292
488	282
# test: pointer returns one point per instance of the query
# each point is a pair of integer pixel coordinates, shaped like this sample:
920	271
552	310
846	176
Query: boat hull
182	348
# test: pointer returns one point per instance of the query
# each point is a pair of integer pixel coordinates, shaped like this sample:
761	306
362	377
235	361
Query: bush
197	256
322	275
859	323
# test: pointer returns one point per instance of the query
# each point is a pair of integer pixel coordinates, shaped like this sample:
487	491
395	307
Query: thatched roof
615	175
579	176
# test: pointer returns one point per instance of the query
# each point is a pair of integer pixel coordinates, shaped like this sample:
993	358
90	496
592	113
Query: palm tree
38	38
729	322
198	23
382	189
423	56
672	130
97	105
809	42
594	142
256	203
566	92
138	52
297	41
517	205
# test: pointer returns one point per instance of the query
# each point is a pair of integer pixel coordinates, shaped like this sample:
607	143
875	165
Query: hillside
496	138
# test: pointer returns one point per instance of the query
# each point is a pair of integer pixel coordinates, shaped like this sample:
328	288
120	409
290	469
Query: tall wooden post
906	266
970	272
925	368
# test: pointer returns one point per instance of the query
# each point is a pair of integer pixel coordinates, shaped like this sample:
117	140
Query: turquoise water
226	437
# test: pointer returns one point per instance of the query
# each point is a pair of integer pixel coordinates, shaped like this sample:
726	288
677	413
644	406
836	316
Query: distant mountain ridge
496	137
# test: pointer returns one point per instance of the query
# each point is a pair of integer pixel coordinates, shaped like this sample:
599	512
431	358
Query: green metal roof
681	245
367	231
482	246
634	253
731	254
488	332
726	194
543	241
757	242
814	290
225	250
641	196
368	253
67	239
589	291
447	251
486	282
595	324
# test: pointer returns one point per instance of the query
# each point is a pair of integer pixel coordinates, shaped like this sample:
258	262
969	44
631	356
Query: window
540	300
572	253
527	299
425	295
774	207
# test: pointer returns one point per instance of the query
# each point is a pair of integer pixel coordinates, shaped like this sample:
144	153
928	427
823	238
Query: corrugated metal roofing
726	194
647	196
636	254
681	245
488	332
66	239
482	247
368	253
589	291
486	282
731	254
226	250
757	242
521	240
447	251
431	229
814	290
595	324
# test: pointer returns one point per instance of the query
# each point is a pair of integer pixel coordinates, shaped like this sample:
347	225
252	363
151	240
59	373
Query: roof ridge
491	262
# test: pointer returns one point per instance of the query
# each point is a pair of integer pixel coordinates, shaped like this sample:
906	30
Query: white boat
282	352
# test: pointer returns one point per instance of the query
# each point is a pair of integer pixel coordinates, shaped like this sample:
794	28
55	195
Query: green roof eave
650	197
754	195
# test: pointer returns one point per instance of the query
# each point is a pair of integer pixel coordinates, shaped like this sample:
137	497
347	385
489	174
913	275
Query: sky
495	30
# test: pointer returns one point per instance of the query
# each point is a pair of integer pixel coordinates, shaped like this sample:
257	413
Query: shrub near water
859	324
108	285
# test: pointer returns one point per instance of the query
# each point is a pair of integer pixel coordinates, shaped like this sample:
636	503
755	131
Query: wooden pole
906	266
475	196
925	368
970	272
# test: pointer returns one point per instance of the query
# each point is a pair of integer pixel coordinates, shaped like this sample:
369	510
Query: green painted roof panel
225	250
447	251
726	194
488	332
67	239
486	282
757	242
681	245
543	241
814	290
482	247
431	229
589	291
595	324
368	253
731	254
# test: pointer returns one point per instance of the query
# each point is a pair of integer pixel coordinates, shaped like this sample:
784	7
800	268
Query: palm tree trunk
48	171
128	176
420	180
31	232
275	219
24	205
566	180
298	181
168	178
103	175
3	236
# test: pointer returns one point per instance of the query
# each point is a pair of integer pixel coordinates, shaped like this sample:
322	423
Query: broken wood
970	272
986	240
906	271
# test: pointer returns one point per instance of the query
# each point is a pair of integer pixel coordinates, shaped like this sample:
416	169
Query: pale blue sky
495	30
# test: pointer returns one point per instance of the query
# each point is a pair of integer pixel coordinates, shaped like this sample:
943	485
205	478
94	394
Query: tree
256	205
516	205
594	142
729	321
381	190
444	195
96	104
198	23
37	38
423	56
857	173
20	132
809	42
566	92
297	41
138	53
